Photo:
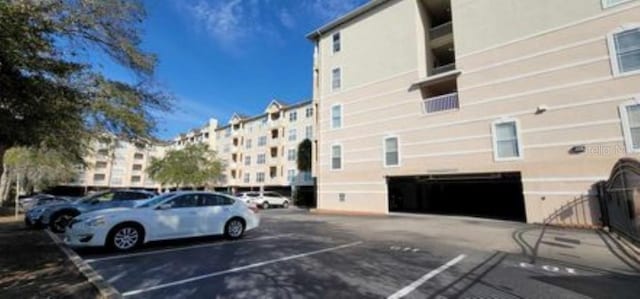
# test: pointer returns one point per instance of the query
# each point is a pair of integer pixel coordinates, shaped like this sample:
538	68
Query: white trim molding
611	3
626	128
518	136
613	54
384	151
331	115
341	157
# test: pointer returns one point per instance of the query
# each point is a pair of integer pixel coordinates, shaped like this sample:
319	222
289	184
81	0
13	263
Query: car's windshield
91	197
155	200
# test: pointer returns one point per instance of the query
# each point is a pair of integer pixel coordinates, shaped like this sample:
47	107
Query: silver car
57	216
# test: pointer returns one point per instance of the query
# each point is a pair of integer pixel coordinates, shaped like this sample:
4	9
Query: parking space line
414	285
238	269
114	257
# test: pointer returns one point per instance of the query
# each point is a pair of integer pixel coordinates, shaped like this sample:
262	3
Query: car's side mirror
164	206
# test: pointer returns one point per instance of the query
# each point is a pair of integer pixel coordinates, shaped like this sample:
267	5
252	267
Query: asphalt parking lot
295	254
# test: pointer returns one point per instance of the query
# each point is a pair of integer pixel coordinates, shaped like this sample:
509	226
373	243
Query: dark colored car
56	216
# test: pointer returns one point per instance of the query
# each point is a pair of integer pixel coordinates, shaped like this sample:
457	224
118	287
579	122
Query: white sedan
167	216
265	200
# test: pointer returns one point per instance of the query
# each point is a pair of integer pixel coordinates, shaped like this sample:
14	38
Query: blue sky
223	56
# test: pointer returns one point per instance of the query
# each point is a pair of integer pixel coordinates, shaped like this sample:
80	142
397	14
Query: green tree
39	168
304	155
193	166
51	95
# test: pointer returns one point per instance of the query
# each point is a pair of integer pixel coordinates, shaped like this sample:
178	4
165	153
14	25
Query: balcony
441	103
443	69
441	30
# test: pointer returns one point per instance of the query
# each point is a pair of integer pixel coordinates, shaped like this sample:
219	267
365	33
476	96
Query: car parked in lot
264	200
56	216
29	202
180	214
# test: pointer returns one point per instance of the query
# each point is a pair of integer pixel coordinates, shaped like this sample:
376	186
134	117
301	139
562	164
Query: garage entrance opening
488	195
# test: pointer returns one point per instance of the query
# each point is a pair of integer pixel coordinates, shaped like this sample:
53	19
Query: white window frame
293	116
264	159
294	136
258	177
626	128
341	116
607	4
339	68
333	42
384	151
247	177
261	143
495	139
247	160
292	178
613	55
308	112
289	156
341	157
247	143
308	132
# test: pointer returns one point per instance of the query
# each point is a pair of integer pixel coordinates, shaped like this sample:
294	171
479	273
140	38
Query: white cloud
331	9
223	19
286	19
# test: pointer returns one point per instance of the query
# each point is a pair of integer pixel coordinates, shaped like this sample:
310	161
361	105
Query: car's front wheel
60	220
265	205
285	204
125	237
234	228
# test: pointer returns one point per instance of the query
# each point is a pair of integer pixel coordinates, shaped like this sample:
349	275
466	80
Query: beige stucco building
507	109
260	151
118	164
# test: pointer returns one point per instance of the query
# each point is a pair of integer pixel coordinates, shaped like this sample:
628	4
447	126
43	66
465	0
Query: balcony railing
443	68
441	103
440	30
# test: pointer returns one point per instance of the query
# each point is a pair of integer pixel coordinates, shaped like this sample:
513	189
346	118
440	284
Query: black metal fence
620	199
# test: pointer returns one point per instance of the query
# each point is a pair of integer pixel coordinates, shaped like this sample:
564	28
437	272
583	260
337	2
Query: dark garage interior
487	195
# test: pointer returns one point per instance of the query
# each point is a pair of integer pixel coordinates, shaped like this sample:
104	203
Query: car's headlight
96	221
37	211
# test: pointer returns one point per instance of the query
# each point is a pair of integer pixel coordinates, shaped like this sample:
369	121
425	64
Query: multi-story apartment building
261	151
204	134
118	165
498	108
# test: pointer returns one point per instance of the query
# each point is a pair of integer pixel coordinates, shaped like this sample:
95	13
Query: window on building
625	50
308	112
261	159
291	175
293	116
262	140
101	164
336	42
136	179
260	177
336	116
631	126
248	144
292	135
291	155
506	145
273	172
391	152
138	156
609	3
247	160
136	167
247	177
98	177
308	132
336	157
336	78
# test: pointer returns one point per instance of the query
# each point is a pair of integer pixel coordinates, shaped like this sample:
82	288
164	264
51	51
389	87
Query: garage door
488	195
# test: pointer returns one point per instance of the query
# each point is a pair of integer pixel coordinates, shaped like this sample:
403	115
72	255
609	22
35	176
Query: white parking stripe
238	269
114	257
414	285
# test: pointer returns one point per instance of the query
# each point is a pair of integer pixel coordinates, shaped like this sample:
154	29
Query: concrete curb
105	289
